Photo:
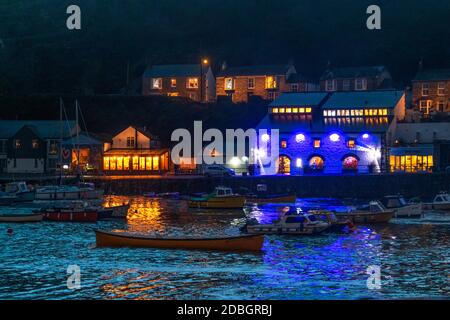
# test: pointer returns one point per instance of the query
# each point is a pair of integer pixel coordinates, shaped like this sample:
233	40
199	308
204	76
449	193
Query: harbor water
413	256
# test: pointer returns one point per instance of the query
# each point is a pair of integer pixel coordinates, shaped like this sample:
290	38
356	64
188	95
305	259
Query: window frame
158	81
250	80
425	88
188	83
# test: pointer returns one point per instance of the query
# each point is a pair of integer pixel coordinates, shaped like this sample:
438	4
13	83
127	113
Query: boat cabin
223	192
16	187
373	207
443	197
394	201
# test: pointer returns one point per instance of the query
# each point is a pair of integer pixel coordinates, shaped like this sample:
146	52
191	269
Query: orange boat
123	239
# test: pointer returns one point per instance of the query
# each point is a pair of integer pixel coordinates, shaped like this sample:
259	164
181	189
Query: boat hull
365	217
21	218
436	206
280	199
114	213
410	211
238	243
233	202
71	216
268	229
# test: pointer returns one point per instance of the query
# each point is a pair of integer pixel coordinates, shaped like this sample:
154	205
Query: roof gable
174	70
44	129
364	99
353	72
433	74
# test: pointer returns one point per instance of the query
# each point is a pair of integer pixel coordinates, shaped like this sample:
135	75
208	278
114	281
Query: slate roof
174	70
353	72
254	70
83	140
433	75
363	99
299	99
45	129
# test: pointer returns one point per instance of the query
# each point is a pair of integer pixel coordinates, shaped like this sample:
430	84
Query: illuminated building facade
333	133
135	151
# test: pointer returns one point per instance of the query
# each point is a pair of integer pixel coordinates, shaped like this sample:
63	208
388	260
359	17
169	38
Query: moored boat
401	208
221	198
20	190
271	198
375	212
290	222
234	243
7	199
85	191
164	195
74	213
20	218
113	212
336	225
441	202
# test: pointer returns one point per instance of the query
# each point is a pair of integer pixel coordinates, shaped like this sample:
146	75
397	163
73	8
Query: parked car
217	171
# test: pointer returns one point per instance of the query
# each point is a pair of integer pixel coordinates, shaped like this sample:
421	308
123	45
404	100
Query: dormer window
271	82
361	84
192	83
330	85
130	142
156	83
229	84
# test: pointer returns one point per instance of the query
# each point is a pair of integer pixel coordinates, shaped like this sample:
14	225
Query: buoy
9	231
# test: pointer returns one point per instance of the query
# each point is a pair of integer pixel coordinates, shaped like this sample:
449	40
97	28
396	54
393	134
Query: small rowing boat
124	239
13	218
113	212
221	198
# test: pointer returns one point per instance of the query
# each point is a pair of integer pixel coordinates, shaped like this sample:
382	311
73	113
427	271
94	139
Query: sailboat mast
78	136
60	139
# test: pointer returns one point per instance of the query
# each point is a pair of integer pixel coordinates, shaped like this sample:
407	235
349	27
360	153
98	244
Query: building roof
353	72
432	74
135	152
83	140
299	99
364	99
45	129
174	70
255	70
292	124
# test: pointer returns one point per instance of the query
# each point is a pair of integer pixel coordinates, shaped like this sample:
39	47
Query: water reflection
413	256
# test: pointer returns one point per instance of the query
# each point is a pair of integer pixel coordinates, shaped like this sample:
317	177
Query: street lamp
205	62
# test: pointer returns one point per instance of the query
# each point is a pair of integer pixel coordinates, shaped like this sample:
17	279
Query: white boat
6	199
402	209
290	222
441	202
84	192
20	190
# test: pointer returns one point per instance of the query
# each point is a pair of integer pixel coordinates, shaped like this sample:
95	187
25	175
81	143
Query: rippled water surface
414	257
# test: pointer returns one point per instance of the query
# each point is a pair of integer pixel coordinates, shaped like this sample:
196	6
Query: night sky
39	55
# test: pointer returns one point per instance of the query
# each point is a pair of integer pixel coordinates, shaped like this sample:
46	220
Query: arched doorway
350	163
284	165
316	164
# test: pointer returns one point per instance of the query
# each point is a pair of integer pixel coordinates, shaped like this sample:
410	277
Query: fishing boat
401	207
77	212
441	202
113	212
63	192
20	190
125	239
221	198
290	222
335	225
374	212
6	199
19	218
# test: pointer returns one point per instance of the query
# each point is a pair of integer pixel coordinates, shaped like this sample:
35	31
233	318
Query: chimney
224	66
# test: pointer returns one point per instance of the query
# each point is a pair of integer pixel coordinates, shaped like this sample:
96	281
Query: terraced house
192	81
240	84
431	91
355	79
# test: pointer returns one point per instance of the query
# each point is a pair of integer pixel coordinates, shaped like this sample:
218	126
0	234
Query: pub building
332	133
134	151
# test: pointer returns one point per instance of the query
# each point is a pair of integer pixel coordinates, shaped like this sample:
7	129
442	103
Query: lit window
283	144
105	163
148	163
351	143
375	112
126	163
366	112
288	110
274	110
271	82
120	163
130	142
425	106
425	89
251	83
350	163
173	83
156	83
294	110
142	163
229	84
441	88
281	110
112	163
155	163
325	113
192	83
17	144
308	110
316	143
35	144
301	110
136	163
316	163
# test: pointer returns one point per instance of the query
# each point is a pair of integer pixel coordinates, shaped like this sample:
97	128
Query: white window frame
439	87
248	83
425	88
228	81
362	82
333	85
295	85
156	83
428	105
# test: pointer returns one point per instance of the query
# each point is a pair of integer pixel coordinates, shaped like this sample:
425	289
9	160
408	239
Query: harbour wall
336	186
